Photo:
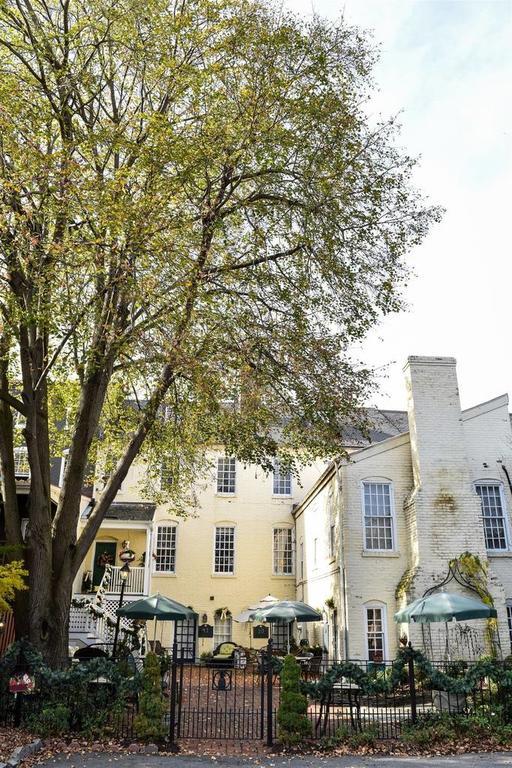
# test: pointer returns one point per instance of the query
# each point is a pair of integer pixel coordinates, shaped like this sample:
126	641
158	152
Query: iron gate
223	702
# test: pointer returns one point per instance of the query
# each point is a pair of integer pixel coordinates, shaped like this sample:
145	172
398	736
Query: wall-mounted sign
205	630
260	632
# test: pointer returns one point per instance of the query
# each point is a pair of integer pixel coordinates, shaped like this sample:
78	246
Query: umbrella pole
447	649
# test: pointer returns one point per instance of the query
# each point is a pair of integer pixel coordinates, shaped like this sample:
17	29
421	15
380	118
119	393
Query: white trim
281	527
63	460
168	524
382	481
383	608
490	481
135	525
225	493
224	574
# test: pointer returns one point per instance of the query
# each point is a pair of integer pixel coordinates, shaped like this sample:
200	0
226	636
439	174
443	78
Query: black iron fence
239	700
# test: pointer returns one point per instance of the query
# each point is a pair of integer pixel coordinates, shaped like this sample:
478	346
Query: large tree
194	208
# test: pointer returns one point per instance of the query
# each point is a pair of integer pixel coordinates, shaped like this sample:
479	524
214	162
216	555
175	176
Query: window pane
283	551
378	519
282	481
375	634
226	474
492	516
165	555
221	631
224	549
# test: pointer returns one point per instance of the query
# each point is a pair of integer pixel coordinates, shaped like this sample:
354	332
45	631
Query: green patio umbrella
445	606
288	611
157	607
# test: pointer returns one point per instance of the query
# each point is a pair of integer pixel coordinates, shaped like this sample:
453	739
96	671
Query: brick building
380	528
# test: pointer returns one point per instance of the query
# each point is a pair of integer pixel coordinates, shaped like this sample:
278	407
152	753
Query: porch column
148	559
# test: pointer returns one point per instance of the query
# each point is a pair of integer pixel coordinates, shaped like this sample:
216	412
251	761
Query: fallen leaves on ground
10	738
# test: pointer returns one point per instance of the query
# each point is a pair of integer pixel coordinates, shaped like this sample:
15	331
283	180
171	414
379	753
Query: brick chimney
443	511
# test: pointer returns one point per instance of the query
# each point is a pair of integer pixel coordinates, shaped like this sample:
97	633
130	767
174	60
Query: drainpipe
343	572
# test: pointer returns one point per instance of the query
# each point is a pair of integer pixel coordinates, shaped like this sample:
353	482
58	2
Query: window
302	560
280	632
221	630
282	481
166	475
165	554
378	516
224	556
332	541
492	515
283	551
185	634
375	633
509	620
21	465
315	550
226	474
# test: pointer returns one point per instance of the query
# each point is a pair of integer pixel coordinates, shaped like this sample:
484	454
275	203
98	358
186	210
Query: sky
446	68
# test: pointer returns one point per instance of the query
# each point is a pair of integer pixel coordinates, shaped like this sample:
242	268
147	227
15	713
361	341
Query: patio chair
223	655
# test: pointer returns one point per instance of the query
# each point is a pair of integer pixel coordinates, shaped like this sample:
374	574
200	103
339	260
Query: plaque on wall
205	630
260	632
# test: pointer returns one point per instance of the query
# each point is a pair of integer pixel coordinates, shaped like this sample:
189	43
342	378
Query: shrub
149	723
294	725
51	721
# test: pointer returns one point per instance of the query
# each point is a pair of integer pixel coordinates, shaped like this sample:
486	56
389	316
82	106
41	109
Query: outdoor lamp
124	572
123	575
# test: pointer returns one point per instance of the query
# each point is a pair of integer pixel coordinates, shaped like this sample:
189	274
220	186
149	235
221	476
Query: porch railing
134	583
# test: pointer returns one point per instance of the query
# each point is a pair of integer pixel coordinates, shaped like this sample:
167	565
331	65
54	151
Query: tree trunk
50	603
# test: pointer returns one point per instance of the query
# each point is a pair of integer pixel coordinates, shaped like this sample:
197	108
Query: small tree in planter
149	723
294	725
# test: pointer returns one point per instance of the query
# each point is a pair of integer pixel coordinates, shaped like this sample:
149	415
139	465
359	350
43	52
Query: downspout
343	572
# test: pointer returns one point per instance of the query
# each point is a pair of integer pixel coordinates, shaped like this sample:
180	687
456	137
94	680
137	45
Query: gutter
343	572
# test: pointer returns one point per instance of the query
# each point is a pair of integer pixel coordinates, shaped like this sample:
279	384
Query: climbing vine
475	572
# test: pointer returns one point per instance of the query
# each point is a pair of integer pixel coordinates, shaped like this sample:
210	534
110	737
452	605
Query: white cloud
447	65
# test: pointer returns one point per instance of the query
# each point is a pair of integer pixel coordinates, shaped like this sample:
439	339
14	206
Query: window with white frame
21	464
332	541
226	474
224	552
222	628
165	550
375	632
282	485
493	515
378	516
283	551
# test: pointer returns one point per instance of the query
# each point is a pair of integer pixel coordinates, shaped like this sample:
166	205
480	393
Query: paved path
144	761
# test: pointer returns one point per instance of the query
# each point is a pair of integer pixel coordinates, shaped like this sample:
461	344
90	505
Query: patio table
353	694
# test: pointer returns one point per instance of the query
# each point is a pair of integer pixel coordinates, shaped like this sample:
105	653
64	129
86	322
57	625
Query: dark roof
124	510
381	425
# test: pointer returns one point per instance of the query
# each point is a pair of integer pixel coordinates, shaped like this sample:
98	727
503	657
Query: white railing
83	621
134	583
